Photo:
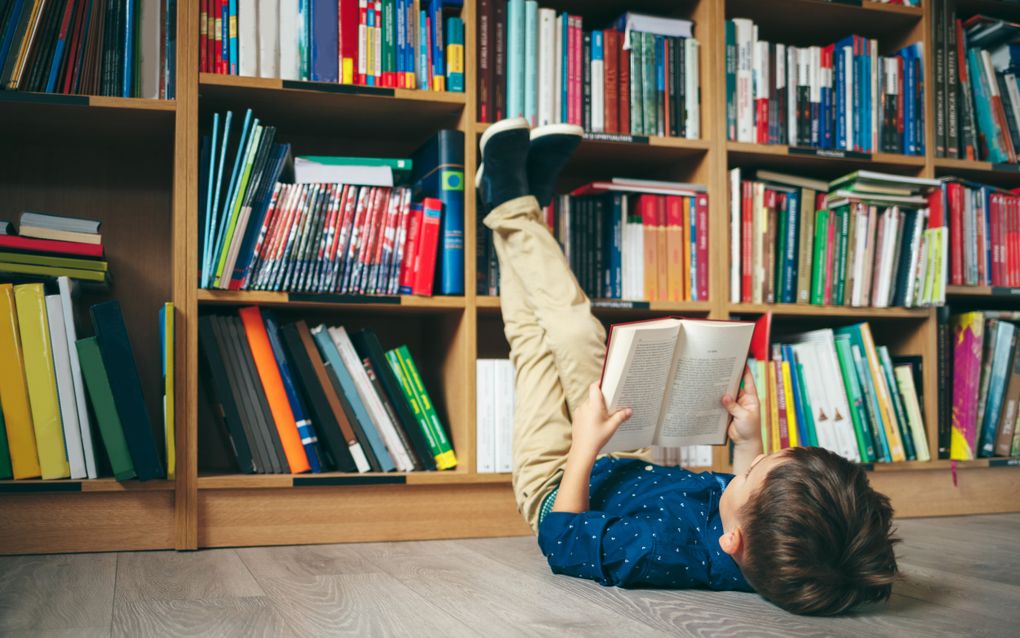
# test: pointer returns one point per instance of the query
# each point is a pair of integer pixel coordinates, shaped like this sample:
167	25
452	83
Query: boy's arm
745	428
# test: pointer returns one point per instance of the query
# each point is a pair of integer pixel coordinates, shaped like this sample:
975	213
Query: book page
637	370
709	363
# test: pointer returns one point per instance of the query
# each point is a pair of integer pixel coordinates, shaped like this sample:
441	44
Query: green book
818	259
419	413
809	414
842	219
780	256
648	103
900	412
636	92
397	164
6	471
53	262
446	458
51	271
389	36
97	384
858	410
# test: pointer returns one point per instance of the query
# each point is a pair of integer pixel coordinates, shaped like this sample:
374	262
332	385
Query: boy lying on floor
802	527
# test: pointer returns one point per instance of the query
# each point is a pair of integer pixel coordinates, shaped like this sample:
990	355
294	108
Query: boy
802	527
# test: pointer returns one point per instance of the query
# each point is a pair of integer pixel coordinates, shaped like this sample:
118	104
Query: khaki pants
557	347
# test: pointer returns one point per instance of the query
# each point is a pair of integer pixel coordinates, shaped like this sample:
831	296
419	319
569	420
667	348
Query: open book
672	373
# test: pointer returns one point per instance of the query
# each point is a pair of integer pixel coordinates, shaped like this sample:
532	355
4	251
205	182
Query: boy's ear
732	542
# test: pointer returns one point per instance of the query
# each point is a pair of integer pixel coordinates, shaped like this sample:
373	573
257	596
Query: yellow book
892	431
42	381
14	395
166	328
687	249
773	407
758	372
791	409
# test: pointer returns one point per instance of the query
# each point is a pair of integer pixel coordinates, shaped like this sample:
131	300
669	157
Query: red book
30	245
1014	237
746	241
611	82
72	54
384	247
761	337
484	15
954	197
347	40
428	244
623	95
411	249
701	226
573	54
936	205
995	210
203	30
982	245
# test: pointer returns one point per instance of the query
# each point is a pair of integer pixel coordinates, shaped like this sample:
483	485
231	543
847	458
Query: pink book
968	341
577	69
702	252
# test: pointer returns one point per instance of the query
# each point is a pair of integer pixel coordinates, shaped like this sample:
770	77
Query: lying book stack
54	246
121	48
292	399
405	44
840	97
689	456
836	389
47	374
627	239
320	235
985	378
864	239
638	76
984	234
495	414
977	99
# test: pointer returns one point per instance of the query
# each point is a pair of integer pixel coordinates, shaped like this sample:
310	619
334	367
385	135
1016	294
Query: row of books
45	245
638	76
122	48
984	233
494	423
977	99
984	372
406	44
258	232
626	239
50	377
840	97
835	388
293	399
864	239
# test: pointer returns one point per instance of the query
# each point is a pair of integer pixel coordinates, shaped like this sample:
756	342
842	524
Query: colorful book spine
445	456
968	339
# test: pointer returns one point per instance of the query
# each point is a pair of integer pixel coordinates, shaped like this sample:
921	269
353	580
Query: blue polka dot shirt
648	526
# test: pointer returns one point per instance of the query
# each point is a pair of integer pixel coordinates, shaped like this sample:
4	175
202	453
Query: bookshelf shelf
83	485
347	302
340	479
618	306
832	163
808	310
87	101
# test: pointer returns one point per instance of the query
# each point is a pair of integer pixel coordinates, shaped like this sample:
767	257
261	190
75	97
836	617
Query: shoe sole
501	127
557	129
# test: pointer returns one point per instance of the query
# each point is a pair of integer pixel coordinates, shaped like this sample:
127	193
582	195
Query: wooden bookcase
134	164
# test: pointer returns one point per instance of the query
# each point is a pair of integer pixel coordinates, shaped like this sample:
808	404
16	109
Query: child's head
809	532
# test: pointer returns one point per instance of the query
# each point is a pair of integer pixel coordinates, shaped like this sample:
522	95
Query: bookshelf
134	164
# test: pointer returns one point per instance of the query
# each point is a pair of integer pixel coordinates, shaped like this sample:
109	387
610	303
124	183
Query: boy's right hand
594	424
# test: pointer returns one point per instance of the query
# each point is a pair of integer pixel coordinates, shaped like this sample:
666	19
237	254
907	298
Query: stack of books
841	97
121	48
295	399
50	376
639	240
52	246
977	100
864	239
688	456
836	389
638	76
320	235
984	374
494	422
984	234
404	44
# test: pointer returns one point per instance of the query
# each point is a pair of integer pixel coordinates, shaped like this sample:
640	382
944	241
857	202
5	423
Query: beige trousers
557	347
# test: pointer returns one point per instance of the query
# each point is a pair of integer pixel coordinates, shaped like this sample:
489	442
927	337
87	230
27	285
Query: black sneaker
551	148
501	175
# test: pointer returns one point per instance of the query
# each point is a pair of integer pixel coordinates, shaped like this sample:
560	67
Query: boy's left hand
746	412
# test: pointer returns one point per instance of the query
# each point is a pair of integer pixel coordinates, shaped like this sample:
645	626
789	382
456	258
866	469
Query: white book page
709	363
637	370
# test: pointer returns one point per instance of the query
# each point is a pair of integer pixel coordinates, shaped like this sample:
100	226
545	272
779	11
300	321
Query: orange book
646	205
272	384
687	251
675	247
661	250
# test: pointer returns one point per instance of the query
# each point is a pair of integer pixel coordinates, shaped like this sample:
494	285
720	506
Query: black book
674	112
328	430
356	425
598	243
952	79
367	345
247	409
222	395
1007	104
939	57
945	379
20	33
37	66
119	359
680	75
911	219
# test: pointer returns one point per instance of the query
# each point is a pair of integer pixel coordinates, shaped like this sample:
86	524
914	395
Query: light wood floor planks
962	577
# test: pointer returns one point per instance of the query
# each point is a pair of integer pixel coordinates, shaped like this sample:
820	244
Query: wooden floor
962	578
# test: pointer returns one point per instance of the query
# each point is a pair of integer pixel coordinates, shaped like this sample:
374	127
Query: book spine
446	458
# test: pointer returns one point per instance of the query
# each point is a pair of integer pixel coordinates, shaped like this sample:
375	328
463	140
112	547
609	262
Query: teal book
6	471
854	395
882	449
842	219
731	80
988	129
515	58
649	112
1002	356
809	414
899	410
531	61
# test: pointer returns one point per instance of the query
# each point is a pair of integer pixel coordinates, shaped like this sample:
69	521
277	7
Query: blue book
127	53
1002	357
233	37
423	52
223	216
324	45
304	38
692	235
329	352
246	253
616	245
225	32
531	61
788	288
304	424
731	81
437	40
439	172
515	41
7	36
909	90
455	37
565	69
786	352
401	41
212	205
839	62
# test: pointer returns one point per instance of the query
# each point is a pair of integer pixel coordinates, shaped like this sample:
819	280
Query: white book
916	242
833	408
735	245
290	47
672	27
693	84
557	84
546	66
485	408
66	287
65	387
860	246
505	417
380	418
269	38
308	171
672	373
247	39
815	80
149	42
598	82
744	29
792	81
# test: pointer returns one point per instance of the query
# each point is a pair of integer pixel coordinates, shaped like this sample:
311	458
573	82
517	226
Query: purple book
968	341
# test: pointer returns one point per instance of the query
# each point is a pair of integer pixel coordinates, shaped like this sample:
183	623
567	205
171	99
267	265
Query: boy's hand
746	412
593	424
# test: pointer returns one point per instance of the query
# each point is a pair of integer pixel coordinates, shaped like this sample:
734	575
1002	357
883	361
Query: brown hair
818	538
